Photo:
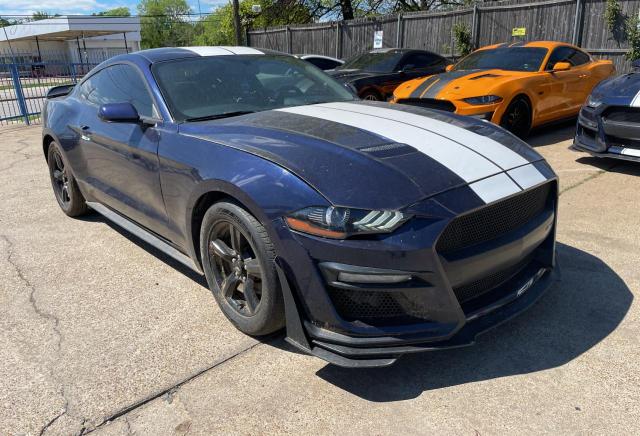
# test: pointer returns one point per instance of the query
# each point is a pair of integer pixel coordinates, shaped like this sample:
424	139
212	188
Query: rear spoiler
59	91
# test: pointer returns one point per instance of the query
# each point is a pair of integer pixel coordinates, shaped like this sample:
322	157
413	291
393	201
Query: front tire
517	117
238	262
371	95
64	185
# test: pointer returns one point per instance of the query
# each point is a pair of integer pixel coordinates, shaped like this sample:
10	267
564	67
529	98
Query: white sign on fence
377	39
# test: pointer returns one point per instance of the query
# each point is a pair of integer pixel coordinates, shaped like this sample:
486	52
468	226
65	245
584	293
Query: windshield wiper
218	116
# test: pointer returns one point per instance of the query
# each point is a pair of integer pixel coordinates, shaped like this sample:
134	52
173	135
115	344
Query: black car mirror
119	113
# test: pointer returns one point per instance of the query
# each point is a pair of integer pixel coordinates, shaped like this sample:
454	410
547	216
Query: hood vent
484	76
388	150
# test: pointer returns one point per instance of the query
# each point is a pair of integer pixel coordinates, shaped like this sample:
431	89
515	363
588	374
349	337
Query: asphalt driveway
101	333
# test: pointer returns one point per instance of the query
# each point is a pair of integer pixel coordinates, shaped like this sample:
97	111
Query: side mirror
562	66
636	64
449	67
119	113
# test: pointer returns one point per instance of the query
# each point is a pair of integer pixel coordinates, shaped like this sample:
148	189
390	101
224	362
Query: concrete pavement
100	333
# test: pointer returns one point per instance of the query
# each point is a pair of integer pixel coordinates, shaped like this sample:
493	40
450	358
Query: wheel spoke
59	163
229	285
252	266
236	238
222	250
250	295
65	193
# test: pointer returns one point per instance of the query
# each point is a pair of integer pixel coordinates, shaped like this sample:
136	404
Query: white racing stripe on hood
495	187
467	164
526	176
501	155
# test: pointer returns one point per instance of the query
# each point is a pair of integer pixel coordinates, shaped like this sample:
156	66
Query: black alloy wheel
60	179
517	117
238	259
64	185
236	268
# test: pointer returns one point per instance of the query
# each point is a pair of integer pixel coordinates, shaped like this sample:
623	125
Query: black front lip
360	352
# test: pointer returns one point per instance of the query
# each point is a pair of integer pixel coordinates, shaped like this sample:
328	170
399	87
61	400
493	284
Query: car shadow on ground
198	278
585	304
552	134
611	165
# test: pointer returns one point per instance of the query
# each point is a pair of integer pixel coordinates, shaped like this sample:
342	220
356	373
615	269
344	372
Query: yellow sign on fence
519	31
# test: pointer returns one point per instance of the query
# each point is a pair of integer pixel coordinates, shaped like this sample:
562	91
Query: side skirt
144	234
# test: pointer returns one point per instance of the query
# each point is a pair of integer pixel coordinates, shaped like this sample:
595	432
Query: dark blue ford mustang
609	121
369	230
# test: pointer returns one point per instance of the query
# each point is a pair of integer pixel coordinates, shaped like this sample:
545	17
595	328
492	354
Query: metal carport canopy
70	27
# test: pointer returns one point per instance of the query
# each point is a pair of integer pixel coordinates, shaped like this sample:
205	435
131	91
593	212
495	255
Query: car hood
376	155
349	75
624	86
459	84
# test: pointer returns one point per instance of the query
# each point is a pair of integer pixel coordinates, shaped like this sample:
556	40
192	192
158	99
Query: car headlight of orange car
483	99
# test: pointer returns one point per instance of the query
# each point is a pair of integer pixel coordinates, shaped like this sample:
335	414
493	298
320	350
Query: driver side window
117	84
567	54
418	61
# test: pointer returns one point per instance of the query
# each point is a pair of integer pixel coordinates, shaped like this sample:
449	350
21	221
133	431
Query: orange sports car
518	86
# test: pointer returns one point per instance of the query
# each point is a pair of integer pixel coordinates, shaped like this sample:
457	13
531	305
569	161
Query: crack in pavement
173	389
588	178
18	151
46	316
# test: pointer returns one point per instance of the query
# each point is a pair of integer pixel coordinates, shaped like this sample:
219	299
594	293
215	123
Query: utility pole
236	22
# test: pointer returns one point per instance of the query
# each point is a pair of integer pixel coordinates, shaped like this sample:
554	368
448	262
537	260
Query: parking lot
102	333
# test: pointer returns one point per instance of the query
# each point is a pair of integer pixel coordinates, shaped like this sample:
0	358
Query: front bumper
609	131
516	268
487	112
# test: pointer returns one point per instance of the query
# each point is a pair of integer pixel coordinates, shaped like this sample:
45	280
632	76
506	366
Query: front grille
430	103
622	115
378	307
494	220
481	286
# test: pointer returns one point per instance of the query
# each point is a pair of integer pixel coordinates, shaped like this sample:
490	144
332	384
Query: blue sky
83	7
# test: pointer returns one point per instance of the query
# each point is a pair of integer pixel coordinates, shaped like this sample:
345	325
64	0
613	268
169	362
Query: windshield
376	62
507	58
220	86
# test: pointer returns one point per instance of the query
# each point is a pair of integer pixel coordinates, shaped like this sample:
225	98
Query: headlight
341	222
593	101
483	99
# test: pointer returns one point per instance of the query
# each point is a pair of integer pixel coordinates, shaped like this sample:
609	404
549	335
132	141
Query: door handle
86	133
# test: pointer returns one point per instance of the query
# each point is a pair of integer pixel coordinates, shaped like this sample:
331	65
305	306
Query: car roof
169	53
544	44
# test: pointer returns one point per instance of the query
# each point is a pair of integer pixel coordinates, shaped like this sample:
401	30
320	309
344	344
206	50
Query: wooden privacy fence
580	22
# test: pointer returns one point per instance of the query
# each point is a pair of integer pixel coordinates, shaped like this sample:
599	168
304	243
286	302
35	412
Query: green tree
4	22
115	12
217	28
165	23
40	15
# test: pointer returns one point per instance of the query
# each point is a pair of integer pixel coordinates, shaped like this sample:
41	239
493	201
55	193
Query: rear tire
517	117
238	262
64	185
